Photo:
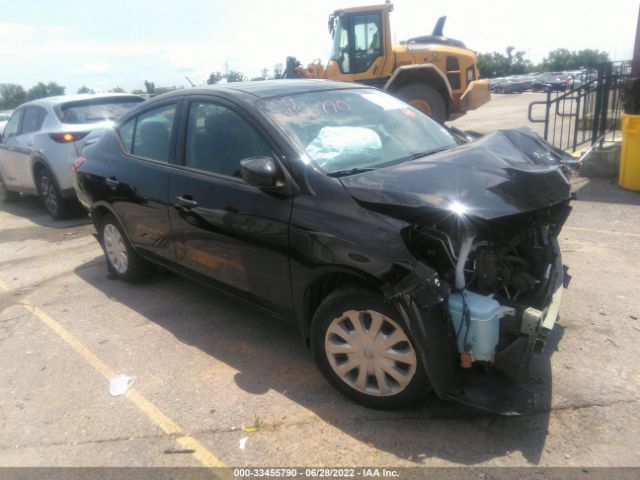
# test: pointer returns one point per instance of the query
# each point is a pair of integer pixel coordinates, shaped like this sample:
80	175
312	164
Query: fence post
606	86
595	119
546	117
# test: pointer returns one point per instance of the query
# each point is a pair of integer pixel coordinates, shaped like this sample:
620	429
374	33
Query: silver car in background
43	138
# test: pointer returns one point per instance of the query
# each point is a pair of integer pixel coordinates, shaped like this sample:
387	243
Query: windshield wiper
415	156
349	171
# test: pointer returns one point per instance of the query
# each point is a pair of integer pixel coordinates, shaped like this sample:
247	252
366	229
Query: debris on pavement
120	385
243	442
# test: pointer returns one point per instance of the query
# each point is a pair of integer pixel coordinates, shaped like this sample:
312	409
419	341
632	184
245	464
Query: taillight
68	137
78	162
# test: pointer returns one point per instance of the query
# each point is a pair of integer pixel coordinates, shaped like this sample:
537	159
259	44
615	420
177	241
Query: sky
123	43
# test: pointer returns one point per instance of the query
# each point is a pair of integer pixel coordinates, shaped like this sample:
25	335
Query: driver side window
367	35
13	127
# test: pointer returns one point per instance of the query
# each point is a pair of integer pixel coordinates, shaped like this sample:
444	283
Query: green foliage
150	87
563	59
118	90
235	76
40	90
12	96
214	78
232	76
496	64
277	70
85	89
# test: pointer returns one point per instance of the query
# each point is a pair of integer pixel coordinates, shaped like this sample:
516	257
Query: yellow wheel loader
436	74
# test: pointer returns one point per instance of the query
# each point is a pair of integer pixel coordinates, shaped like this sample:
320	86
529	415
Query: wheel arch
39	163
426	74
326	282
98	211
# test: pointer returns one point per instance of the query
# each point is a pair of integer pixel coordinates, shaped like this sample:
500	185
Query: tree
11	95
265	73
496	64
235	76
562	59
138	91
277	70
150	87
40	90
85	89
118	90
214	78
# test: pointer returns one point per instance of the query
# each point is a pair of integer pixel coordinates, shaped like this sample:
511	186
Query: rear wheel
7	196
426	99
122	259
363	349
53	201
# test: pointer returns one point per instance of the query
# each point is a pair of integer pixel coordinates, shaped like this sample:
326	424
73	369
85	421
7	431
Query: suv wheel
363	349
122	259
53	201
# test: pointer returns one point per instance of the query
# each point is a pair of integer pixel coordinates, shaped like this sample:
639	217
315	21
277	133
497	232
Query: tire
7	196
122	260
352	319
426	99
53	202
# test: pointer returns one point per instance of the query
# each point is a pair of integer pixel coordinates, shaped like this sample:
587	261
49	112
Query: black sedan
408	258
549	84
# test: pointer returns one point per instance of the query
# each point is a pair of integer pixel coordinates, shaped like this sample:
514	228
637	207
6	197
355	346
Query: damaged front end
489	299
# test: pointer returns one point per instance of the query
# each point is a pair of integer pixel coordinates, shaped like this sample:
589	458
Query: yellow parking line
170	427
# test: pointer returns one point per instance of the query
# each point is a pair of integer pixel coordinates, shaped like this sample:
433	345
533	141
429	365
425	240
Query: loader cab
361	41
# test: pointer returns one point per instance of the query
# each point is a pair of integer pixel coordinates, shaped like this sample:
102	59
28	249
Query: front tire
363	348
122	260
426	99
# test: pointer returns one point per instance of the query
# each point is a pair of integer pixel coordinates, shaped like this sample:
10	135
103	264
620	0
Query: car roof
60	99
266	88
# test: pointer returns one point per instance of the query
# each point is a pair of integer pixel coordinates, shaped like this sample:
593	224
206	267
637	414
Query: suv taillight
68	137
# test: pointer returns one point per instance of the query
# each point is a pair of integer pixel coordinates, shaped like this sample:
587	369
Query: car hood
505	173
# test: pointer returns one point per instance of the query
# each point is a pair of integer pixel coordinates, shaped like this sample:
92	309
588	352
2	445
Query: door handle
112	182
186	201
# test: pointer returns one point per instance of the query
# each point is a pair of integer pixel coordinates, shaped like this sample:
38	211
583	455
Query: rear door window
33	119
148	135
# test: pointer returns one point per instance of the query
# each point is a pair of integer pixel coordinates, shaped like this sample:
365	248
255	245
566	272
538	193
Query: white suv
44	137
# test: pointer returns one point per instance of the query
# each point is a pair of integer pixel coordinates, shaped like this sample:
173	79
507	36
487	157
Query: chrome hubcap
48	191
115	248
370	352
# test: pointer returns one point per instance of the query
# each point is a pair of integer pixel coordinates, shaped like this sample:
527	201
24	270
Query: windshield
345	130
97	110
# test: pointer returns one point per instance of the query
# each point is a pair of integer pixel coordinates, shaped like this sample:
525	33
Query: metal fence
588	113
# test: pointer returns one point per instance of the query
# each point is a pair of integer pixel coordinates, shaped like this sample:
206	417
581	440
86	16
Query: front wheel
426	99
122	260
363	349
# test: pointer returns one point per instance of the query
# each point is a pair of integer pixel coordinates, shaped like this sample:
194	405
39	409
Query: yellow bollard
630	156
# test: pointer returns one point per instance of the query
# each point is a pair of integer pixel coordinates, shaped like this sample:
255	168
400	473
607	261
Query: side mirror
261	172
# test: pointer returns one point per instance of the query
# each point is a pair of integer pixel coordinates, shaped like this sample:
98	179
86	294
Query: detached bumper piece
493	392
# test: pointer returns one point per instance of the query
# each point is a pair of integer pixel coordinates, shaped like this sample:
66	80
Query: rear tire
53	202
7	196
122	260
426	99
363	348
